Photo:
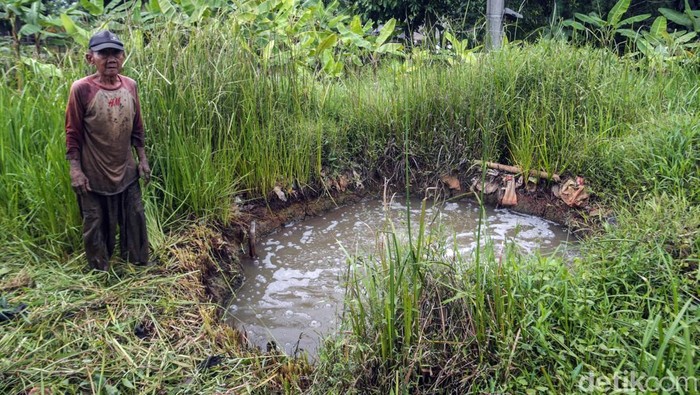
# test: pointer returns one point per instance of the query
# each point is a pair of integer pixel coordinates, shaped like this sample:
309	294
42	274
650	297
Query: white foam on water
297	286
331	226
451	206
306	237
286	274
267	261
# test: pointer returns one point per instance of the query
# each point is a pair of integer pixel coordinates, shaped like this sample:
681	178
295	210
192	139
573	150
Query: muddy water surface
293	291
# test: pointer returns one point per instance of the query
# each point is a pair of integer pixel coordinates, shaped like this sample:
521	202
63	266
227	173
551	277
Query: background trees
468	16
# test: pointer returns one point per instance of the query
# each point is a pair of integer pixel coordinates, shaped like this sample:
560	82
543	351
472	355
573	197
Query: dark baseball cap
105	39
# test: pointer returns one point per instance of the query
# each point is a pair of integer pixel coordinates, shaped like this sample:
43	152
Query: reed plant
33	168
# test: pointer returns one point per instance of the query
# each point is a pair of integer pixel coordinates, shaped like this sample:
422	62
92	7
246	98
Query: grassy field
221	124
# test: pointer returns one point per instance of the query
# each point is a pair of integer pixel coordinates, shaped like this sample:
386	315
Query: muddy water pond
294	290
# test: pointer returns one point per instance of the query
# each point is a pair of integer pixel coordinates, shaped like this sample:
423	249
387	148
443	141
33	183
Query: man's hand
144	171
78	180
144	168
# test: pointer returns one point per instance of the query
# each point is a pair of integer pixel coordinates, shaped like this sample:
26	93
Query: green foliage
414	12
662	49
689	18
313	36
34	20
664	159
34	188
604	30
461	49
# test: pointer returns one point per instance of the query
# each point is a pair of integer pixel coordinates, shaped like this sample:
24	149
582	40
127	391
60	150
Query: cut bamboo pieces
517	170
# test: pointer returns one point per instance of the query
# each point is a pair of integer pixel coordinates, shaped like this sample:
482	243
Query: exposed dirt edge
211	251
547	206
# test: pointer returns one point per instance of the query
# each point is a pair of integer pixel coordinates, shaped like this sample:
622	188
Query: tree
414	13
464	15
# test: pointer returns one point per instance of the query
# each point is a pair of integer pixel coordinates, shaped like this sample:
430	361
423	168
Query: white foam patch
267	261
332	226
286	274
306	237
451	206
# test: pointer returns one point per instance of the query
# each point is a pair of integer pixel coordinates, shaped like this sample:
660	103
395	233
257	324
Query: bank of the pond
133	330
538	197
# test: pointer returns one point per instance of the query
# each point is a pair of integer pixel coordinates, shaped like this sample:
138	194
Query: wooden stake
251	240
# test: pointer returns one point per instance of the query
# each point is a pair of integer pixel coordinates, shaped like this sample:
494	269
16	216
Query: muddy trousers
101	217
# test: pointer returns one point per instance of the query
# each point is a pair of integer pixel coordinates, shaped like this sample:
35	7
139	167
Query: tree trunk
15	36
37	45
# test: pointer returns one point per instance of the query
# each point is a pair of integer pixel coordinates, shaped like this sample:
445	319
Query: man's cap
105	39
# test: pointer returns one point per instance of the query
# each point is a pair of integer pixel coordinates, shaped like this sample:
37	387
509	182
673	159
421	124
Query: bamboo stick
517	170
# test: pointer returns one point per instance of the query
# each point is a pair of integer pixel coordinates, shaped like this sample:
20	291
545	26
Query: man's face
108	62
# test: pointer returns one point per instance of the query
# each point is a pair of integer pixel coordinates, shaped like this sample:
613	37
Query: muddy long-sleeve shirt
101	126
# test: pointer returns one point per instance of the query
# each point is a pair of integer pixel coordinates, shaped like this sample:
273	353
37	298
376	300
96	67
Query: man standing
103	121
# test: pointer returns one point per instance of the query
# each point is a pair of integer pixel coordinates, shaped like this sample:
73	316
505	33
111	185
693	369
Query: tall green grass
497	321
35	194
220	122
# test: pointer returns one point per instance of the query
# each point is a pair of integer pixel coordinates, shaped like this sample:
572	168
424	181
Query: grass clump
502	322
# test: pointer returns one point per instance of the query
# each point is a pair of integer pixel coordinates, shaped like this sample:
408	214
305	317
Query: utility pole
494	19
